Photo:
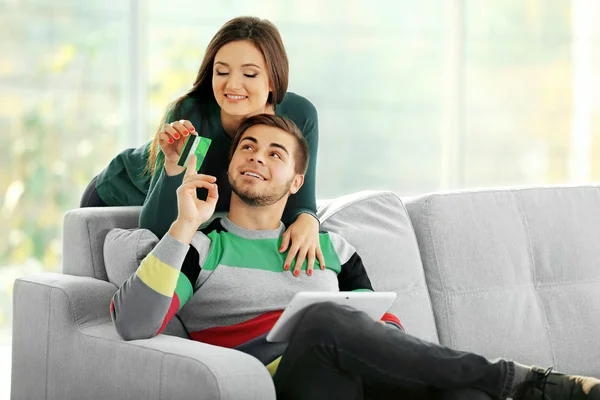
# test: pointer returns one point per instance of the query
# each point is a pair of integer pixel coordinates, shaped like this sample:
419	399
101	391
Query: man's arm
162	284
166	278
353	276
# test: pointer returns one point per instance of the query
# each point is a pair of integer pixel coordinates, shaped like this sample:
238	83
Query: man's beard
253	199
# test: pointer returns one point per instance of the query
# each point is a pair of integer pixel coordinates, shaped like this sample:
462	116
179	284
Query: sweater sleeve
305	200
160	208
353	276
160	287
123	182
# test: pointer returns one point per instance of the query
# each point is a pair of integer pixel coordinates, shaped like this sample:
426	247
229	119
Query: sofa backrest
378	226
515	273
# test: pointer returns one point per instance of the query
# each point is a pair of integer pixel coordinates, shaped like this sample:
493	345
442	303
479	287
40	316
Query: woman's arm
305	200
160	208
122	182
300	214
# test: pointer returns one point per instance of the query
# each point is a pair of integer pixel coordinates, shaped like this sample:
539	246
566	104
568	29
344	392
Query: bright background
413	96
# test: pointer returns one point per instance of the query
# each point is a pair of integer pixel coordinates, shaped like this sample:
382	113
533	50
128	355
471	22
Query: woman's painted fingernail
186	133
192	129
286	267
176	136
296	273
171	140
309	272
323	267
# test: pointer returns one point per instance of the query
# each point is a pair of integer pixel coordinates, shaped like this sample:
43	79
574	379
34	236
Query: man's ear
296	184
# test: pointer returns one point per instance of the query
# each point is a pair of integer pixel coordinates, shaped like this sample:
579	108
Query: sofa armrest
84	230
66	347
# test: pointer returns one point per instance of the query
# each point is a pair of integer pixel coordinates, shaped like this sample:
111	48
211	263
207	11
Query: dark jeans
340	353
90	196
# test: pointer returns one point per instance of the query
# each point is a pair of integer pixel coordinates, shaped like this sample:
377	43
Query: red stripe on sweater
173	308
234	335
391	318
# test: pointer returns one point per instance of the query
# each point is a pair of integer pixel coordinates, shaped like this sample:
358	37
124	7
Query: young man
229	278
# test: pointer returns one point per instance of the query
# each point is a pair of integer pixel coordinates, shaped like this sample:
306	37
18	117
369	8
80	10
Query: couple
230	279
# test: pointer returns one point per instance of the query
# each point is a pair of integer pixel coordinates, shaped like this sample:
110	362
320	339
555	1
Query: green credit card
197	145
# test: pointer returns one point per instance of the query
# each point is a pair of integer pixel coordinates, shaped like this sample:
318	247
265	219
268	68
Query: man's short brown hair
301	153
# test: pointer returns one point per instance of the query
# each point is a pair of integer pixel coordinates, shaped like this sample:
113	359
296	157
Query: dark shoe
547	385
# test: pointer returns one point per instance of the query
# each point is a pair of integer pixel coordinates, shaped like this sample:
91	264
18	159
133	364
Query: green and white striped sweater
229	287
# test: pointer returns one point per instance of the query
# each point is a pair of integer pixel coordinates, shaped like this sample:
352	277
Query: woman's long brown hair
260	32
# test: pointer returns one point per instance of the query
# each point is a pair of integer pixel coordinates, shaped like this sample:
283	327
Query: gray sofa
509	273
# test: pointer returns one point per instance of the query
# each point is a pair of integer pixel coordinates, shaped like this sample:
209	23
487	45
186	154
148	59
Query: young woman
244	73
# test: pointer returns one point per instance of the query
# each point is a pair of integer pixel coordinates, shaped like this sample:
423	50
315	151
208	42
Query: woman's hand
172	139
304	237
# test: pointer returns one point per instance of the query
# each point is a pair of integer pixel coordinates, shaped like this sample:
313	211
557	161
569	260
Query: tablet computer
374	304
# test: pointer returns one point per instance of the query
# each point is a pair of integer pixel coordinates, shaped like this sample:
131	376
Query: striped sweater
229	287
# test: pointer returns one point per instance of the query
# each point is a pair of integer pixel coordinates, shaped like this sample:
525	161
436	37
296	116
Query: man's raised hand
191	210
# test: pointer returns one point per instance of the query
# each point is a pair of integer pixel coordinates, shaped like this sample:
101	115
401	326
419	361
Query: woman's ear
270	96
